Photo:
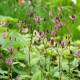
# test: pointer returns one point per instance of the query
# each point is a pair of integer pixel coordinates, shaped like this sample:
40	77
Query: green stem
69	70
45	62
59	68
41	74
69	64
50	62
29	63
11	73
8	72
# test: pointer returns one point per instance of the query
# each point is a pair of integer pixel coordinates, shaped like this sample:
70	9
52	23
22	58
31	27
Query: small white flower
29	2
74	1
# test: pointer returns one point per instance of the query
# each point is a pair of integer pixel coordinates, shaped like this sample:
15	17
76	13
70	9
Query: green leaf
3	77
24	76
56	74
19	71
35	60
65	65
37	76
21	64
20	56
65	78
2	71
78	27
5	18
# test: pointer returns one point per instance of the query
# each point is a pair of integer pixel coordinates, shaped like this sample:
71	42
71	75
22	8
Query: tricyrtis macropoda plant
31	54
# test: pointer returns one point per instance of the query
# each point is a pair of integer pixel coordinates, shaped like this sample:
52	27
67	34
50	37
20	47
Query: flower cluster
9	62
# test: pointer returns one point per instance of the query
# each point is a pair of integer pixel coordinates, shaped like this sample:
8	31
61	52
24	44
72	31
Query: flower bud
48	39
24	63
39	40
71	52
35	12
31	14
46	8
0	64
47	31
59	41
18	48
22	21
51	28
1	56
0	45
28	15
66	37
18	21
35	33
8	21
15	39
69	42
7	30
52	42
56	45
9	38
25	21
34	42
40	33
44	19
0	50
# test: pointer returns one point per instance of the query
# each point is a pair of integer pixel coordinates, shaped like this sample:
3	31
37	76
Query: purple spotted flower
19	25
9	62
78	54
4	35
23	30
73	17
54	34
11	50
3	23
60	25
38	19
42	34
60	8
56	20
55	28
63	44
50	13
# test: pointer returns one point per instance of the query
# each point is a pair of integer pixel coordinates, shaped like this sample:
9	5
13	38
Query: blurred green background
12	9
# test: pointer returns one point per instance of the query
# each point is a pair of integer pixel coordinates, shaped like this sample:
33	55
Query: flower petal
8	49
